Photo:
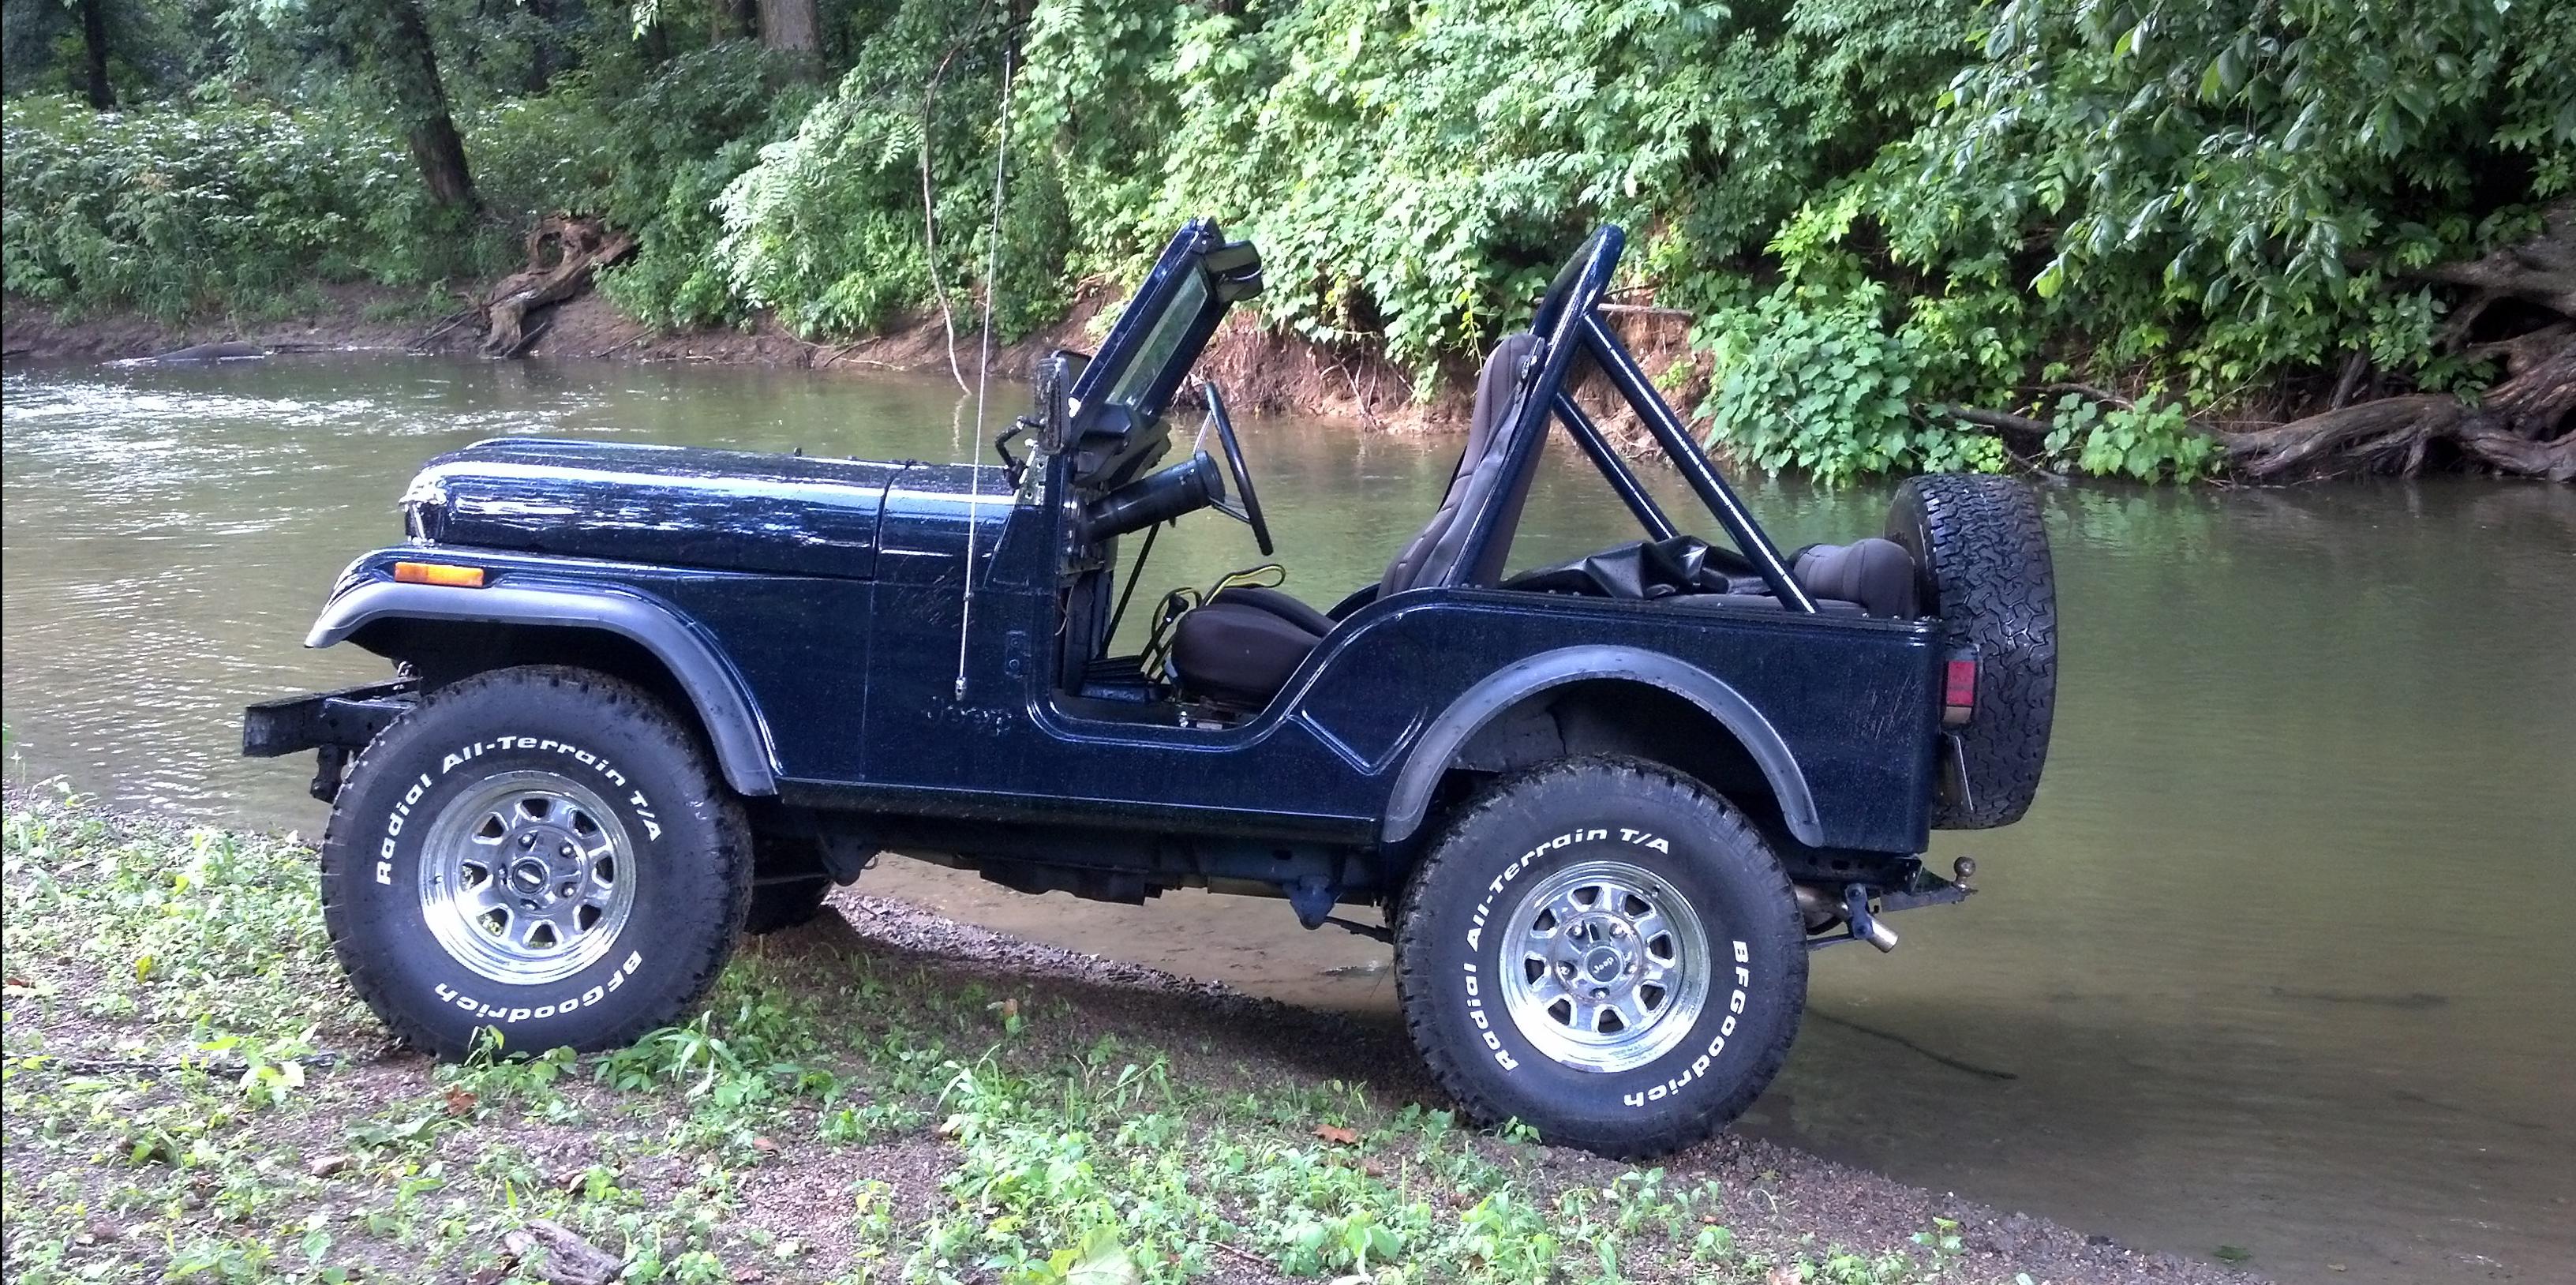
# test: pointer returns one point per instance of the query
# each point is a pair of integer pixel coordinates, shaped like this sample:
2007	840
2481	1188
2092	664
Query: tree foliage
1912	233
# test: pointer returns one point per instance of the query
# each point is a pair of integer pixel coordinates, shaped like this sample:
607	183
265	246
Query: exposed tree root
563	252
2520	426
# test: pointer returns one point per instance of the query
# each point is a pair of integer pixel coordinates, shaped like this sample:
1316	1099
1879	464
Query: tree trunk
791	27
653	44
93	20
410	66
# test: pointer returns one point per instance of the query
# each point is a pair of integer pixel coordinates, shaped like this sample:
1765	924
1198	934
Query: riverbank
1263	372
882	1094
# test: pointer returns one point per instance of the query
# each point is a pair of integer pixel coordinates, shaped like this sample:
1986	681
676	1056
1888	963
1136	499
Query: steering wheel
1243	506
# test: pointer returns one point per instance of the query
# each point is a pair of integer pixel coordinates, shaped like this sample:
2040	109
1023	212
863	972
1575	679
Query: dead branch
450	322
2518	426
2348	385
2523	351
2541	270
580	247
2000	421
2102	395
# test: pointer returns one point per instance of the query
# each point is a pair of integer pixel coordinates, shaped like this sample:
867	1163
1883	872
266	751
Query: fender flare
1506	687
733	723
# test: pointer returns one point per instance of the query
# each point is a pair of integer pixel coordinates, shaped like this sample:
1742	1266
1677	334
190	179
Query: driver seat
1241	646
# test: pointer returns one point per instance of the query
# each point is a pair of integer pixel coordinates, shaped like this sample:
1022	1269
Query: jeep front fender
733	725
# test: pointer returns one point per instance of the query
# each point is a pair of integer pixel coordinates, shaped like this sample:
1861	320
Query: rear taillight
1958	690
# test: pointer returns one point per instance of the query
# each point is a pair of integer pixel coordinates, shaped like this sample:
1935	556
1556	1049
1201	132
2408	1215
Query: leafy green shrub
681	140
538	156
2228	190
224	208
1810	384
1416	174
2145	441
827	227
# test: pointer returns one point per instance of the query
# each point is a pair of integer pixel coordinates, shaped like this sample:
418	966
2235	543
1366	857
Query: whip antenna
984	369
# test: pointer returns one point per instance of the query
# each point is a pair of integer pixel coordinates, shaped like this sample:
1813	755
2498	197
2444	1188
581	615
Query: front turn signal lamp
439	573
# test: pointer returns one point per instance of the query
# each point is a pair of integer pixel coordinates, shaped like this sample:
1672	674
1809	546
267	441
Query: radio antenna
984	370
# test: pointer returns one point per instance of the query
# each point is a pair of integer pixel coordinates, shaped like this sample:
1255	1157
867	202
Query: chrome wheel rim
1604	966
527	878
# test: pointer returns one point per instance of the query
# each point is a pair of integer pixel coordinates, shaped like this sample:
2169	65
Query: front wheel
541	851
1605	951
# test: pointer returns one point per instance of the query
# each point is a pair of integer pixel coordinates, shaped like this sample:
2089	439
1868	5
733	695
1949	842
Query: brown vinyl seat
1243	644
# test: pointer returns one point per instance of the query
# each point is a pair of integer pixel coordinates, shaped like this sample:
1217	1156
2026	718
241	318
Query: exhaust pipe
1821	909
1880	935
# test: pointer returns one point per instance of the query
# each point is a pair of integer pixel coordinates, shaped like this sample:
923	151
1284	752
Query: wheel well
1611	716
440	652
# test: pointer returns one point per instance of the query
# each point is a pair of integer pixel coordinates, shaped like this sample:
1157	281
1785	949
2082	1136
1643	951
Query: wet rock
557	1254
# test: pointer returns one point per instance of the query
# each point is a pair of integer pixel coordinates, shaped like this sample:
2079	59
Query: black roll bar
1604	457
1578	285
1569	325
1631	381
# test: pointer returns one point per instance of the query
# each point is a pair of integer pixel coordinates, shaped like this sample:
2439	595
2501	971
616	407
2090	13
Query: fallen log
563	253
228	350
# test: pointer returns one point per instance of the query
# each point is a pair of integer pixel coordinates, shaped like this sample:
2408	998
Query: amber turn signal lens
439	573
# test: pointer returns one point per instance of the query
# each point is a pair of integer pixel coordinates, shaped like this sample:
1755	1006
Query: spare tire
1981	561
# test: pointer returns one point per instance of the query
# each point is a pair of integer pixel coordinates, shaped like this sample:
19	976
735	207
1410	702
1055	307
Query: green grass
193	1094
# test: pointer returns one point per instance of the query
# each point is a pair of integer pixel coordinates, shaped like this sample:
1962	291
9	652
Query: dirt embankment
347	317
1262	370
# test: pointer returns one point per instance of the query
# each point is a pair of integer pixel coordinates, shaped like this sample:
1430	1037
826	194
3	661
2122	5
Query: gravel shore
1848	1205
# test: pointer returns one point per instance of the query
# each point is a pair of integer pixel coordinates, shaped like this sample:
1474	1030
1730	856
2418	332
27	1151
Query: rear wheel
1982	563
541	851
1605	951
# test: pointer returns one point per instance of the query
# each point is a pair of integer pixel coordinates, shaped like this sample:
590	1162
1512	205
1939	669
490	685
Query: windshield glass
1170	331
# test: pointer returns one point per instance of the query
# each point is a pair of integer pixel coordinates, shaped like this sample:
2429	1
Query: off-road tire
1982	560
779	906
687	850
1551	822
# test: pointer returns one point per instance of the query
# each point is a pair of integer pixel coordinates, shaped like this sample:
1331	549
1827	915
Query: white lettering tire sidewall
682	908
1756	980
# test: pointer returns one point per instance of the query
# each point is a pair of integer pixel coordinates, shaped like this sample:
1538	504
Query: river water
2274	964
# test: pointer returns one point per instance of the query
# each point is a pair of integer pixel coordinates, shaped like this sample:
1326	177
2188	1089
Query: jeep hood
681	506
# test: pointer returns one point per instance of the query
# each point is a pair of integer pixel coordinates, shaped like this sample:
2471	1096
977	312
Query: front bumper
335	723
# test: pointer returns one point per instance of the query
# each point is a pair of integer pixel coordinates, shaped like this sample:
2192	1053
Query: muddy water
2275	964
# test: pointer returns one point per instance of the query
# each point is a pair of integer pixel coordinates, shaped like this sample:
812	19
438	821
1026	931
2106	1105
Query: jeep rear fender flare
1439	743
733	725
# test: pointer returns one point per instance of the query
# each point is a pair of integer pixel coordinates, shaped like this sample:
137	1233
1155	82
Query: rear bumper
347	719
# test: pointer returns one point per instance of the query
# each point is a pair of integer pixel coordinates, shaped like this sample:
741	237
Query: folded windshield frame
1159	335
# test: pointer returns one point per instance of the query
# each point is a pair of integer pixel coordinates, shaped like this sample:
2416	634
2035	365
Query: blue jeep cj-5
648	697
